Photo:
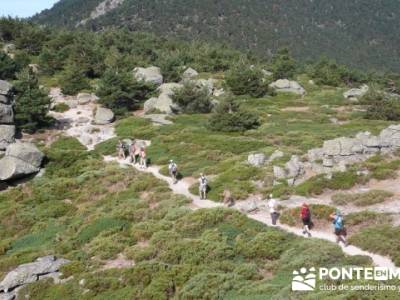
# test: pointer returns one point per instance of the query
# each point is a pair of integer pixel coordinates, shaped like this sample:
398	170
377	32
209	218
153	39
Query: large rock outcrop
288	86
29	273
20	160
163	103
189	74
337	154
356	93
150	75
7	128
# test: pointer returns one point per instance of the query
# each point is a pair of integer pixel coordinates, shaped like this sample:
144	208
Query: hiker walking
305	215
203	185
173	171
121	150
339	229
143	158
228	199
273	209
132	152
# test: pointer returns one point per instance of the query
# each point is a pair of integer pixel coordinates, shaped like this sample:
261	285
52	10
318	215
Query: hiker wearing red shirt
305	215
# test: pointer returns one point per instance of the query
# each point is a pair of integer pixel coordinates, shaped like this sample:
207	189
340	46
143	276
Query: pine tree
73	80
120	92
283	65
32	103
8	67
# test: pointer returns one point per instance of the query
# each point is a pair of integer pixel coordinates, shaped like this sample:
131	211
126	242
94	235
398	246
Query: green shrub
61	107
283	65
92	230
191	99
268	245
121	92
382	239
243	79
8	67
361	199
339	181
229	117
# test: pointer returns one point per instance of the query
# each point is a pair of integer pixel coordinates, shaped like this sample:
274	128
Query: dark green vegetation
361	33
31	102
190	99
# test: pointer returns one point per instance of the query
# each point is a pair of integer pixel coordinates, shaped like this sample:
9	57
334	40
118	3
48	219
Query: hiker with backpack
305	215
339	228
143	158
203	185
173	171
132	152
273	209
121	150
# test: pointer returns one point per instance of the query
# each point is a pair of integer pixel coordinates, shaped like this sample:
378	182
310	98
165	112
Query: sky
24	8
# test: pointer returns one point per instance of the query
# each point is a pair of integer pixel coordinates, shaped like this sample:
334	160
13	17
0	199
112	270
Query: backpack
338	222
174	168
305	213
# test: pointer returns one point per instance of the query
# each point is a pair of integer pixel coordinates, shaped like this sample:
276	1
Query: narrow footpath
182	188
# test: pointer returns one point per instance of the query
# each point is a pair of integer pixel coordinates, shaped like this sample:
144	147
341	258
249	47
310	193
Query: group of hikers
305	217
137	153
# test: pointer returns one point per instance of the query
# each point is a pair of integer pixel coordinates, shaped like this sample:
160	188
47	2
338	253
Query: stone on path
103	116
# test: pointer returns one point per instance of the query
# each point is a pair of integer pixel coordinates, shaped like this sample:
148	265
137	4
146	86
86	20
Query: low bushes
361	199
191	99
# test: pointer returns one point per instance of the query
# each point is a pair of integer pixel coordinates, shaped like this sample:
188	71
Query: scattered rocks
288	86
6	114
257	159
355	94
150	75
29	273
103	116
163	103
335	155
267	73
189	73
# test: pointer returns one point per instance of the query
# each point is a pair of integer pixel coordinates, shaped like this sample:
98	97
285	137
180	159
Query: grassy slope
106	210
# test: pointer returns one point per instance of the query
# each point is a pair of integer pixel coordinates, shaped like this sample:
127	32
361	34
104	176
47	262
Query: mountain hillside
360	33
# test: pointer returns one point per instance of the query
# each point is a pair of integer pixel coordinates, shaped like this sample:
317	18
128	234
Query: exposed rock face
355	94
103	116
257	159
6	114
158	119
7	135
14	168
85	98
5	88
7	129
163	103
150	75
335	155
21	159
29	273
288	86
27	152
277	154
189	73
